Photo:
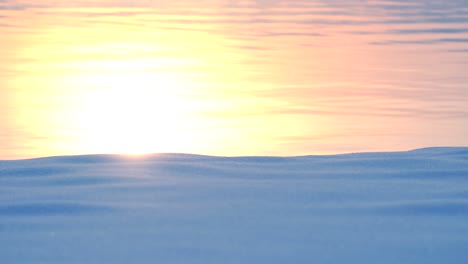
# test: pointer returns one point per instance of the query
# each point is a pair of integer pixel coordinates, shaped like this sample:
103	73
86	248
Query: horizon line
179	154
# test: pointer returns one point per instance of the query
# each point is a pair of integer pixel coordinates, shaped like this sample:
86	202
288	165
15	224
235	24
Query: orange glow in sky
228	78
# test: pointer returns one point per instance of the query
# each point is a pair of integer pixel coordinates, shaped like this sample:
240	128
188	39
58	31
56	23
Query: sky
230	78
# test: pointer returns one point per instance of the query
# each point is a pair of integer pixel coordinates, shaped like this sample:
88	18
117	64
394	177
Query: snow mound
395	207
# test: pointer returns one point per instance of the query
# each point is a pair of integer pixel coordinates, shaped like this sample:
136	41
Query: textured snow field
400	207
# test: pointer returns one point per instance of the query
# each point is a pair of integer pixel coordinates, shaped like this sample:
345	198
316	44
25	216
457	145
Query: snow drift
399	207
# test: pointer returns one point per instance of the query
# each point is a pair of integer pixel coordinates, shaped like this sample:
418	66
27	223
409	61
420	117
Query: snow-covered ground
400	207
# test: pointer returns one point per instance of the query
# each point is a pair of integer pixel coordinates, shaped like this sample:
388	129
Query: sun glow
104	88
134	113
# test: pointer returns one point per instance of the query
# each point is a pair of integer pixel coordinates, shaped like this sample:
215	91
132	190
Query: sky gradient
232	77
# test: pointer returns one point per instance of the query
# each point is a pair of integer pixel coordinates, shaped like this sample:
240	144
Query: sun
132	113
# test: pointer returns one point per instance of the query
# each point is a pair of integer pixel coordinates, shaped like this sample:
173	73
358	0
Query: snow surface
400	207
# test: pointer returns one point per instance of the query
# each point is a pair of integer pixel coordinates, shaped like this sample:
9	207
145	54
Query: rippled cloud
244	62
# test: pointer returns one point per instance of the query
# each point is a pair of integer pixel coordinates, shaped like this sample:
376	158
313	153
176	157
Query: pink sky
231	77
